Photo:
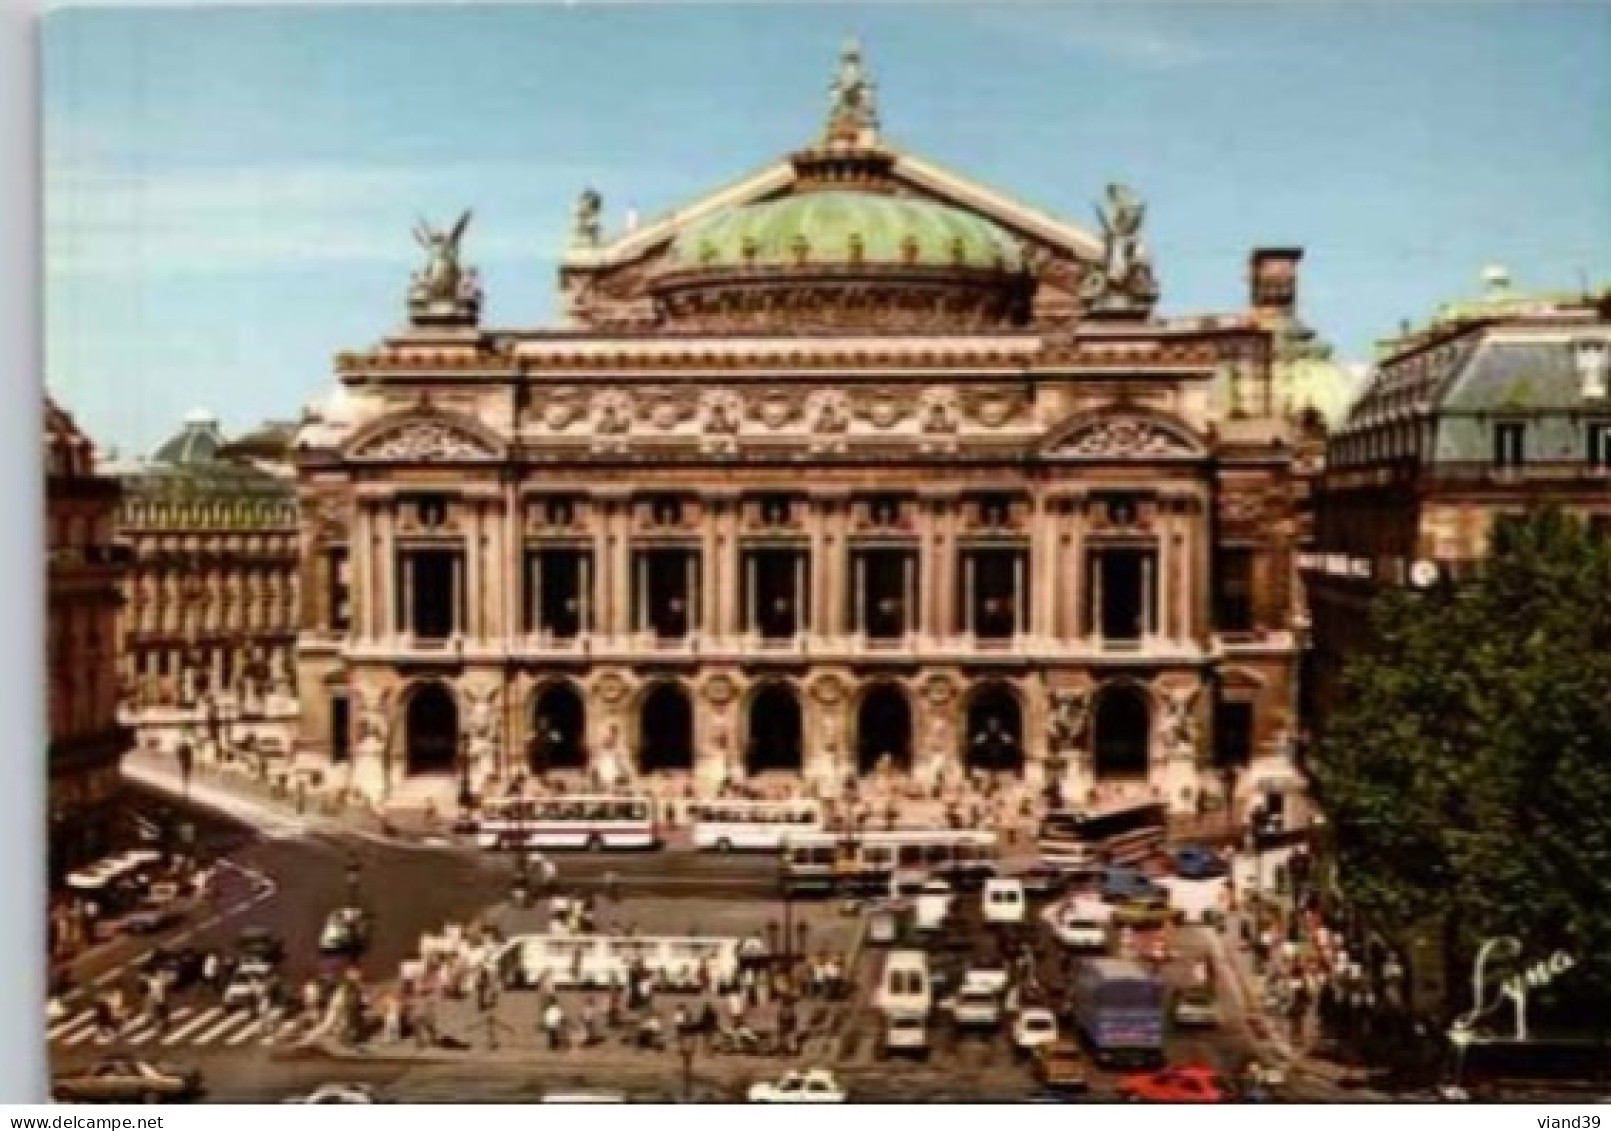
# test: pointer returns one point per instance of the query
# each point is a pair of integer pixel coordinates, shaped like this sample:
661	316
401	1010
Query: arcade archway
994	741
558	730
883	730
1122	733
666	730
432	730
774	740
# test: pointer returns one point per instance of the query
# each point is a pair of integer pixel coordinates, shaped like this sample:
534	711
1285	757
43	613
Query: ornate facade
84	567
1495	405
852	467
210	605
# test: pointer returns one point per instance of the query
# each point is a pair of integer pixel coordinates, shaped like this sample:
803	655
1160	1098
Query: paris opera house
853	466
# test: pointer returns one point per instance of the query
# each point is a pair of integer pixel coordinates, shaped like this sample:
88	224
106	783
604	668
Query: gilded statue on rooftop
1124	281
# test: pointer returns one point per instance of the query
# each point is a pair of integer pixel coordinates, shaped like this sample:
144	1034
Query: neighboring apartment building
1496	404
84	569
210	611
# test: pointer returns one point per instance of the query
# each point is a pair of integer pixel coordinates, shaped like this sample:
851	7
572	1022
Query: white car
337	1094
975	1008
1077	929
243	990
814	1086
1034	1028
933	905
991	978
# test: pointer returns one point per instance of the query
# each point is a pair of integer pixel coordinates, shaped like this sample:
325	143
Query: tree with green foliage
1466	779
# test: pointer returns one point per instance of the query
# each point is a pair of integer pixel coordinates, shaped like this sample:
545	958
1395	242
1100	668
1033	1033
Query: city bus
729	826
839	862
591	822
1129	832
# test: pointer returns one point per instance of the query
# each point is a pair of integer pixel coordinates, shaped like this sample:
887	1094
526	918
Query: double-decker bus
750	826
841	862
1125	833
591	822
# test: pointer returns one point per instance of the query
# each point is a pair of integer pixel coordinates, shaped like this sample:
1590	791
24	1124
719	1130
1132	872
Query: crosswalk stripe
85	1020
148	1029
229	1021
193	1024
241	1037
79	1038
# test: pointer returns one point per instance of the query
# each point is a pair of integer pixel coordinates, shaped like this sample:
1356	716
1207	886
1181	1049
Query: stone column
946	583
639	598
360	594
713	574
690	587
511	554
474	591
621	556
751	579
858	593
970	593
533	601
387	580
802	604
1020	596
585	592
407	619
1147	596
1096	599
909	590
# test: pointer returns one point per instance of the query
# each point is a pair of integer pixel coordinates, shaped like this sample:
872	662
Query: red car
1187	1084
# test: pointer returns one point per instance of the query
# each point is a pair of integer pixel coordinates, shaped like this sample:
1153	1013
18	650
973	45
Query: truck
1120	1008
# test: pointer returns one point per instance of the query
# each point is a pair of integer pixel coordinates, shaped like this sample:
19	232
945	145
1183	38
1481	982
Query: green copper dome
839	227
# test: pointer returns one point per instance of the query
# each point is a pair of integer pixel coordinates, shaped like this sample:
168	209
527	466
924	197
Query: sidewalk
1273	1038
270	811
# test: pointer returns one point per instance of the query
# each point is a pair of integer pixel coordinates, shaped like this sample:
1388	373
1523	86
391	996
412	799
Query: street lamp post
687	1046
355	872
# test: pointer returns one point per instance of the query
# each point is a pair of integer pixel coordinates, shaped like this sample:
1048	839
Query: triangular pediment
1122	433
424	435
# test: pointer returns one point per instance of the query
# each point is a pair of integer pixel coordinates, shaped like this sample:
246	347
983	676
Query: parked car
122	1080
1077	928
1127	885
987	972
1034	1027
975	1008
933	906
812	1086
337	1094
1198	862
1192	1083
1003	901
905	1034
1060	1066
261	943
1195	1008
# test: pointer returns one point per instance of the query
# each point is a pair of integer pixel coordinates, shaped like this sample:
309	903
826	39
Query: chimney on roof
1273	280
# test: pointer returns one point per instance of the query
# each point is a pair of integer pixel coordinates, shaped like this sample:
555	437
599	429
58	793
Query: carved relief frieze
777	408
886	407
720	416
612	411
1113	437
425	441
828	417
992	407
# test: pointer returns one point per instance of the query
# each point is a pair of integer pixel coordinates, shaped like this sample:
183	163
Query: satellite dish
1424	575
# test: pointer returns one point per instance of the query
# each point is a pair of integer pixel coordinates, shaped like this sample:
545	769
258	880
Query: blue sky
230	192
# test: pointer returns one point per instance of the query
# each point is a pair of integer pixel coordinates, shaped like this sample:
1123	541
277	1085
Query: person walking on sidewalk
554	1024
